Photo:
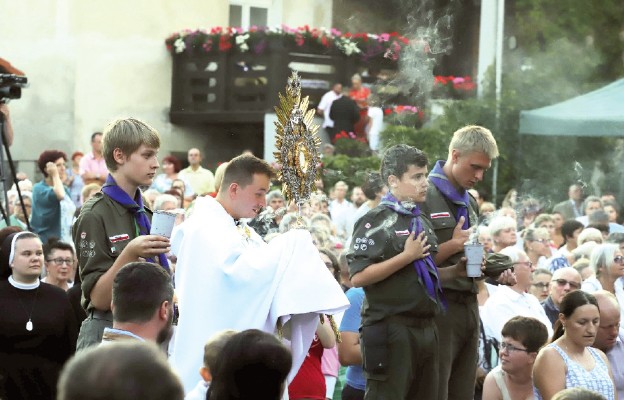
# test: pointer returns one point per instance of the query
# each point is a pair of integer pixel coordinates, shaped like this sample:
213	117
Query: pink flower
384	37
299	39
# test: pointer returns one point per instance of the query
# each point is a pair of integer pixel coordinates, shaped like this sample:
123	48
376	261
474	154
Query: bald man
609	337
563	281
202	180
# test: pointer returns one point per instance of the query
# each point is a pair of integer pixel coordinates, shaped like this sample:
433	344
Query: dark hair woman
52	206
569	360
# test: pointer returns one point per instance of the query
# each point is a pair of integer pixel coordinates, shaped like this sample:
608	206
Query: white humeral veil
227	277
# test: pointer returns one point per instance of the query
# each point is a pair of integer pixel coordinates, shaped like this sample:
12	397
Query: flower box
232	75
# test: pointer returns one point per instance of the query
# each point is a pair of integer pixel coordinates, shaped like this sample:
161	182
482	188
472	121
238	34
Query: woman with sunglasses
537	245
522	337
37	324
569	360
608	263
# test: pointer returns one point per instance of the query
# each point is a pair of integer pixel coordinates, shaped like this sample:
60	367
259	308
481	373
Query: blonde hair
219	173
473	138
127	134
589	235
540	219
88	188
487	206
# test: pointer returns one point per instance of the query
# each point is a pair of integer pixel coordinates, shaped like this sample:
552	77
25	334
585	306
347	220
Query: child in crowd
212	349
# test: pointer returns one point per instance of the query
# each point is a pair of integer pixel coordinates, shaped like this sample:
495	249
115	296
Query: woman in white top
537	244
608	264
570	360
522	337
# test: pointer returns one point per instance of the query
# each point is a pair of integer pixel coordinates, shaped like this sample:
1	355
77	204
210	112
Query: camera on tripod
11	87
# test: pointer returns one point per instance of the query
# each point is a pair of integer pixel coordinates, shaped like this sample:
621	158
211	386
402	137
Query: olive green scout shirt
101	232
378	236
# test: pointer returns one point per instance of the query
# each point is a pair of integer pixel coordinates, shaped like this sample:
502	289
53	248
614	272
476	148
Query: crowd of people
244	298
349	110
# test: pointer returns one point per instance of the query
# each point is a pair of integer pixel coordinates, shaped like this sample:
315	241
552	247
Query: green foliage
409	119
434	142
352	170
540	23
351	147
541	166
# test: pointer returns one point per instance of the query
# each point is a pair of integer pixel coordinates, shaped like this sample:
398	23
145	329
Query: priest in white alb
227	277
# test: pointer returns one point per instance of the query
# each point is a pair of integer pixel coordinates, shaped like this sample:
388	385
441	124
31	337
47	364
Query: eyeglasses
543	241
563	282
60	261
527	263
619	259
541	285
510	348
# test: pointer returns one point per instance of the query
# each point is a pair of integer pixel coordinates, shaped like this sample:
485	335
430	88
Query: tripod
8	179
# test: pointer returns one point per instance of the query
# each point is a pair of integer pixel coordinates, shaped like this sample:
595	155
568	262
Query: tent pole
500	38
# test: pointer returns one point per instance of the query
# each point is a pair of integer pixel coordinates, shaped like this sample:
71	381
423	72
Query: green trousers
412	368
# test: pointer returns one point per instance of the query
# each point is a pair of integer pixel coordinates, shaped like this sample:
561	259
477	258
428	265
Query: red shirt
360	96
309	383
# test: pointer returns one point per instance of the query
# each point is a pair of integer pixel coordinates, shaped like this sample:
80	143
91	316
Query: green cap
496	263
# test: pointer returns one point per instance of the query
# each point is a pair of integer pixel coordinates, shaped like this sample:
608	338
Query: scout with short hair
391	258
113	227
453	212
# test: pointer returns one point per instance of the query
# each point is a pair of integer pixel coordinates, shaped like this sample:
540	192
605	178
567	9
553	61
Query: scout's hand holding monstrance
298	150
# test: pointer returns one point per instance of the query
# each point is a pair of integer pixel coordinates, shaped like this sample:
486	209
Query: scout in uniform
113	226
391	258
452	212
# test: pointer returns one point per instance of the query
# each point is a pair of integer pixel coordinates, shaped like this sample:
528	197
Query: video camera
11	86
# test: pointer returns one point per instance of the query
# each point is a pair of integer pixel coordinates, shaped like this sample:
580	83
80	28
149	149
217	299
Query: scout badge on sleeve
297	144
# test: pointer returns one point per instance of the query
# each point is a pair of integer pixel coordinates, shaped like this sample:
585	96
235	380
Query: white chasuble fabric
227	277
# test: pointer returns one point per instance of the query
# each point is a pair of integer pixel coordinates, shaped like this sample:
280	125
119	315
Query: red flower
224	43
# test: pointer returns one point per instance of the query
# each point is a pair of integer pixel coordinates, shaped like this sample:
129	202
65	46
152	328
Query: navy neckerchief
425	267
135	207
462	200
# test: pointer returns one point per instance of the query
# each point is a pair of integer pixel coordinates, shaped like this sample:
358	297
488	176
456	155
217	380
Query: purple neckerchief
439	179
425	267
135	207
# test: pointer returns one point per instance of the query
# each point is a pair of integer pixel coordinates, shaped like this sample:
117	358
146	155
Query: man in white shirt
342	210
325	105
201	179
510	301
